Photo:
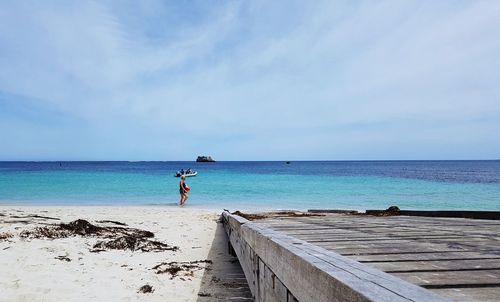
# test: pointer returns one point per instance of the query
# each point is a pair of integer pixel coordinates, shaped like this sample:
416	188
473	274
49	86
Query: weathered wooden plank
400	220
470	294
351	233
456	278
394	247
399	240
388	228
463	255
300	228
390	231
437	265
387	249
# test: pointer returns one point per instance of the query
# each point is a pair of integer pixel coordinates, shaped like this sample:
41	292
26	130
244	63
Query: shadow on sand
224	280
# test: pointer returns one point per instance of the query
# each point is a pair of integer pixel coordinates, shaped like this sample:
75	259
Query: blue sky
249	80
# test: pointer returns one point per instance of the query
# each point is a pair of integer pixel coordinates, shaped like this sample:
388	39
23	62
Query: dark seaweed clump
146	289
121	238
133	244
4	236
82	227
175	268
63	258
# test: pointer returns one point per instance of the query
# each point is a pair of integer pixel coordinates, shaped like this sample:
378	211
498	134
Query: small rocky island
205	159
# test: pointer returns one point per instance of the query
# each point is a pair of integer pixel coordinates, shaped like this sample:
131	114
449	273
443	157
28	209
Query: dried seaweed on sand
187	268
34	216
121	238
133	244
146	289
83	228
4	236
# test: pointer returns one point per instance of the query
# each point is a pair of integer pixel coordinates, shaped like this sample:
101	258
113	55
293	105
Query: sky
249	80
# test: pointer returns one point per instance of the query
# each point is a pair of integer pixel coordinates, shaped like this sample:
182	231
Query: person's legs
186	196
182	199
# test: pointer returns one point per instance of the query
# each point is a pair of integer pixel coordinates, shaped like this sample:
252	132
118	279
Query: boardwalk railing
282	268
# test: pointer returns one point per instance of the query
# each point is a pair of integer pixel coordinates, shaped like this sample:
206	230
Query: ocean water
470	185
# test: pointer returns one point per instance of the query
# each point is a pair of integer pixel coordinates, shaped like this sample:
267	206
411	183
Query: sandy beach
106	255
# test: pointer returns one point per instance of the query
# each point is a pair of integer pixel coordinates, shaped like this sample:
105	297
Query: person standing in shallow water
183	190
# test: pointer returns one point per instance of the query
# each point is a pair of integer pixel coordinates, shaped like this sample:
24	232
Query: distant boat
205	159
287	162
179	174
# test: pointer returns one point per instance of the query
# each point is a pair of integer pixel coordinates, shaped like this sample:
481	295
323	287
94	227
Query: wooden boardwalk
454	257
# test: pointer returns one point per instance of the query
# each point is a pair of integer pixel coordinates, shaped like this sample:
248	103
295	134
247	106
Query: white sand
30	272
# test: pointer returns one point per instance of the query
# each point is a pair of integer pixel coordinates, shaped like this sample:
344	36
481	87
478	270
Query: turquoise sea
472	185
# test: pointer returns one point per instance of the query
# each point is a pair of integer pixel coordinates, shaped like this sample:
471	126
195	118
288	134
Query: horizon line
275	160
